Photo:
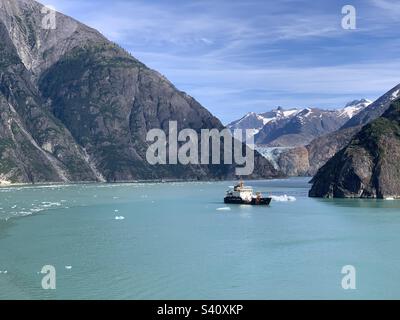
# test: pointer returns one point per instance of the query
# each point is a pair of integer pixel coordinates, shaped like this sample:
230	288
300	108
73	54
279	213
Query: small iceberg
283	198
68	267
223	209
119	218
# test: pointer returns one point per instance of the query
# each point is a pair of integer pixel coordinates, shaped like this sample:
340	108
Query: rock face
323	148
294	161
369	167
291	161
28	129
76	107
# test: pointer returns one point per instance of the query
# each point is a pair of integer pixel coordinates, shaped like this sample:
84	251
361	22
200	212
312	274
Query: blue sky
255	55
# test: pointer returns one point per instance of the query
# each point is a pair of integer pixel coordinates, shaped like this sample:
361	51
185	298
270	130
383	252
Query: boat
240	194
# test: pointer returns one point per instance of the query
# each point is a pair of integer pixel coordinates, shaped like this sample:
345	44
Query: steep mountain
251	121
34	145
323	148
297	130
76	107
255	122
374	110
369	167
353	108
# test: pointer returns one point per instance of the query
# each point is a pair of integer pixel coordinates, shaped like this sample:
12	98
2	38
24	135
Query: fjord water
179	241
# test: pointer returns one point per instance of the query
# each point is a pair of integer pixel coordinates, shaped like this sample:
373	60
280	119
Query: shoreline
59	183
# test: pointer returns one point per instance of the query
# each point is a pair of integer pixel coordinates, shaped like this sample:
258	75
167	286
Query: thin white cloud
221	51
391	7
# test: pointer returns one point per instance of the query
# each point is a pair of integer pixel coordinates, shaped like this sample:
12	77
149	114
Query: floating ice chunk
119	218
223	209
47	204
389	198
68	267
283	198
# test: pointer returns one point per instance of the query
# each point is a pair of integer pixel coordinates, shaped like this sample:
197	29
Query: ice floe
223	209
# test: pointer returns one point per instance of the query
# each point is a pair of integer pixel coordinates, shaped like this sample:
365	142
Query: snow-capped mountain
296	127
353	108
255	122
375	109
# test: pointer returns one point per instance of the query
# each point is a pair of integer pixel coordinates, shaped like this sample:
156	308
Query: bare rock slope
369	167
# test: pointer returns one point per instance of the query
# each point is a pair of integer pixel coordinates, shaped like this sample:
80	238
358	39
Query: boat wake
223	209
22	210
283	198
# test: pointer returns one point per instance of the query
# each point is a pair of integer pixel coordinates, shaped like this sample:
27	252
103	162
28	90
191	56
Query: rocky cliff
76	107
323	148
369	167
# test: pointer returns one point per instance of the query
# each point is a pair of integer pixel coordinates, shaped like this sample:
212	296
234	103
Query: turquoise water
178	241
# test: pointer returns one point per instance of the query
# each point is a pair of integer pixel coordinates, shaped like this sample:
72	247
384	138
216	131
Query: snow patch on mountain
395	94
354	107
300	121
255	122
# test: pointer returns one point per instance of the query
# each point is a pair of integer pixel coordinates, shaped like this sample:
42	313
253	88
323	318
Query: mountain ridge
369	166
296	126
